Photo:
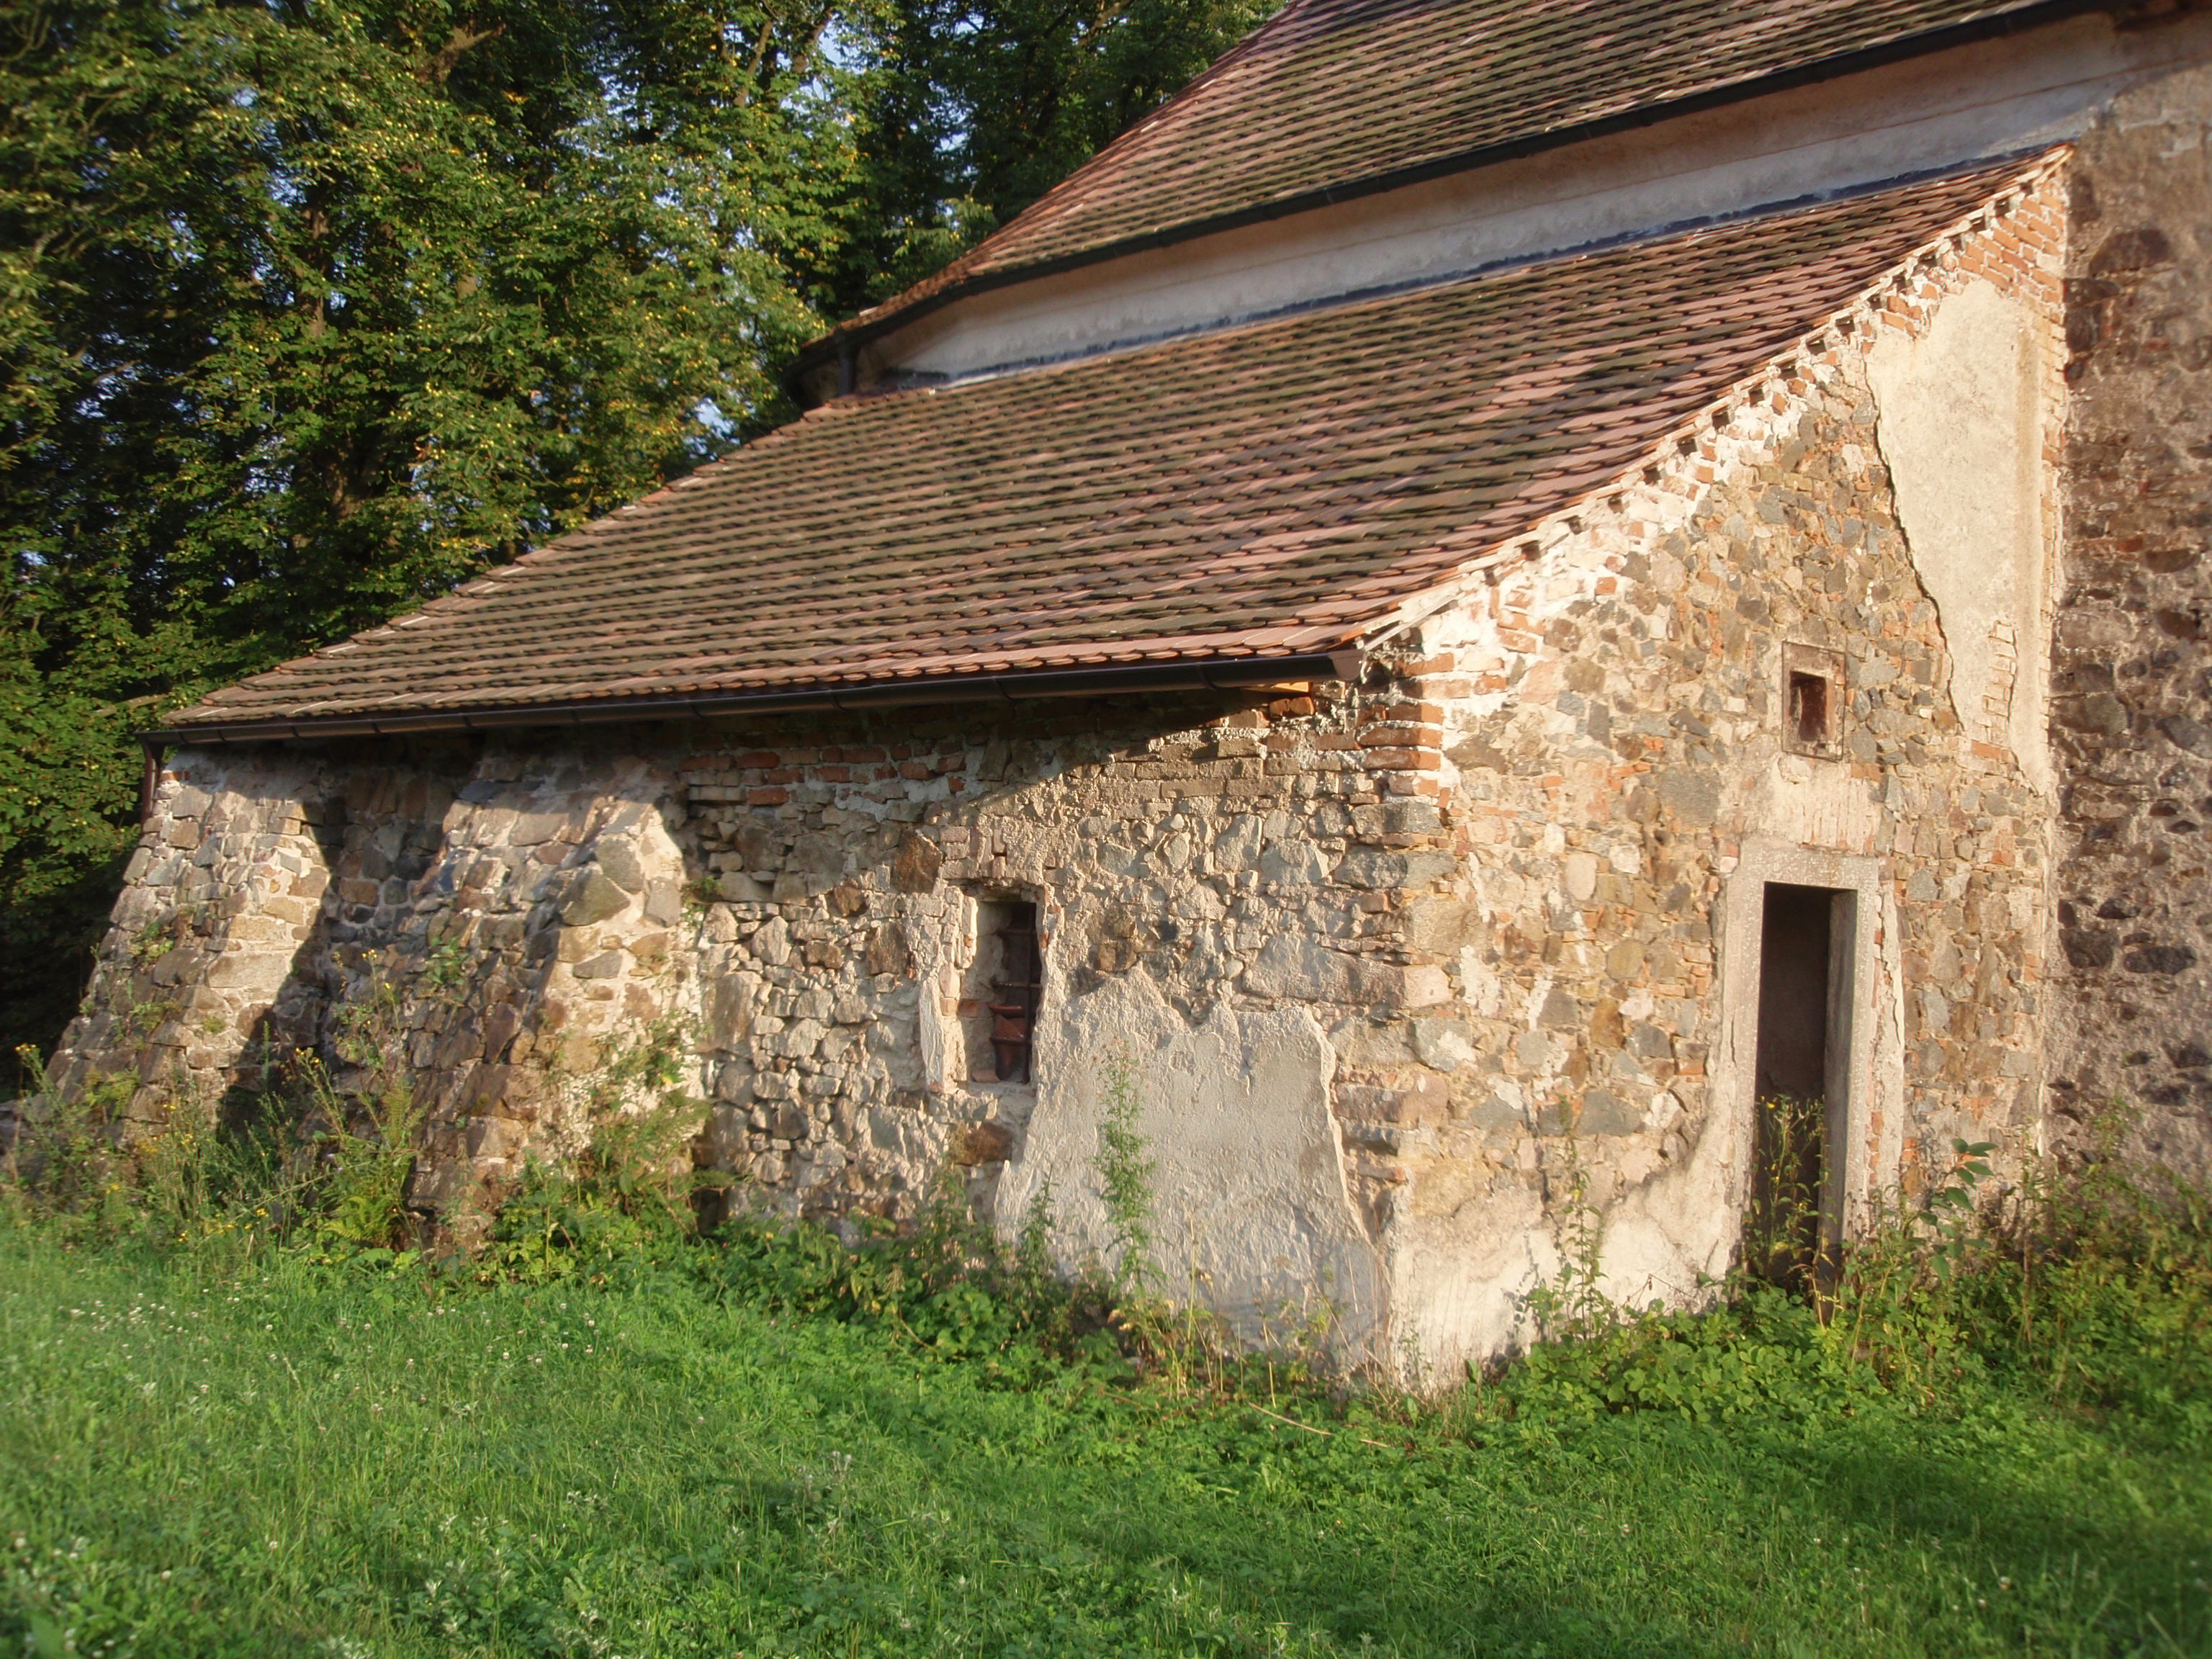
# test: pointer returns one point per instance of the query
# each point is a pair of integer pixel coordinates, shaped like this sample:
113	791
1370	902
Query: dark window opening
1808	708
1812	699
1793	1227
1007	979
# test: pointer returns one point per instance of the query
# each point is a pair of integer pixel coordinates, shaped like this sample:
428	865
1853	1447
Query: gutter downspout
149	780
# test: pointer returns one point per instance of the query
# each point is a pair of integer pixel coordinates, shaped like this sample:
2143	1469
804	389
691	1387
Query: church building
1492	590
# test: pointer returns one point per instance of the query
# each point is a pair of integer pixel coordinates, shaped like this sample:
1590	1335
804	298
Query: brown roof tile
1270	490
1335	92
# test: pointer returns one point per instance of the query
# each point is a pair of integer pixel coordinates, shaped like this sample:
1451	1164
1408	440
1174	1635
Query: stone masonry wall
497	926
2131	675
1608	710
1388	972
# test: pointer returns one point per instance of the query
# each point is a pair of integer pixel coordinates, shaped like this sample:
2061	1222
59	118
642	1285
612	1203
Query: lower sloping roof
1258	492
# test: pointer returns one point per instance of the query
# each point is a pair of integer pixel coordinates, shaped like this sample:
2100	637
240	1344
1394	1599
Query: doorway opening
1793	1226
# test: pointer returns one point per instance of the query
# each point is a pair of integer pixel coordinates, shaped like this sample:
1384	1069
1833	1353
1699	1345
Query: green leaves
312	309
969	110
308	312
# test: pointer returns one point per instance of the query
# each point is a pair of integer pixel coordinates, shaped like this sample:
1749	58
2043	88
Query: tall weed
628	1185
2091	1282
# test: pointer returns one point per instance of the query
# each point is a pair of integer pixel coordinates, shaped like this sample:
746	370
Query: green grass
297	1458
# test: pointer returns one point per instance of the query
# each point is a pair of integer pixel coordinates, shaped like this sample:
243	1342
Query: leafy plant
2094	1285
1784	1239
629	1179
69	1156
1125	1169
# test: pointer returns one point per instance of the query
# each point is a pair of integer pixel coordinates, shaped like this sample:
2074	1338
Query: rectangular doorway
1793	1226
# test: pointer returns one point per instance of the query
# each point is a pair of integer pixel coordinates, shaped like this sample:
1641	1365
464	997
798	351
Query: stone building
1490	587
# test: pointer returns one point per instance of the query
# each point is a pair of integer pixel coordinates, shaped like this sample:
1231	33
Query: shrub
2091	1283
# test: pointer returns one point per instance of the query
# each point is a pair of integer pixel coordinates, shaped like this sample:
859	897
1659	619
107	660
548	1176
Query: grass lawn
305	1460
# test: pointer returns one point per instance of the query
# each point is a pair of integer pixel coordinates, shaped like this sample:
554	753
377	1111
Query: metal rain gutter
1214	674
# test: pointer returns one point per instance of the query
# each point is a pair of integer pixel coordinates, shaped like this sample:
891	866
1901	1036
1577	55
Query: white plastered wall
1251	1206
2000	97
1961	412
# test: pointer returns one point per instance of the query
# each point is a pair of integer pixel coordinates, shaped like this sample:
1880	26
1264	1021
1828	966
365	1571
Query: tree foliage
977	107
311	309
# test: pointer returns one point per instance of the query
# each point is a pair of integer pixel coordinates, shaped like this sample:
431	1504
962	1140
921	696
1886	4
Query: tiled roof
1272	489
1335	92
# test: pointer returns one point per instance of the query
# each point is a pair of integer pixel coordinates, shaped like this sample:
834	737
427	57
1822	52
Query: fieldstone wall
489	927
227	888
1217	902
1405	982
2134	702
1608	713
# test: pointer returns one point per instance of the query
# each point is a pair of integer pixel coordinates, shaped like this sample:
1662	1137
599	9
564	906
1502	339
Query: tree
312	309
977	107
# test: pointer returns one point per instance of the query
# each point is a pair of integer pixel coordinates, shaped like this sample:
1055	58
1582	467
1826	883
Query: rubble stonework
1396	973
525	919
2132	715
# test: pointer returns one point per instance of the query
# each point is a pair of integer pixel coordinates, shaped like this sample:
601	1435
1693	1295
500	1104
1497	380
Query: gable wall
1608	713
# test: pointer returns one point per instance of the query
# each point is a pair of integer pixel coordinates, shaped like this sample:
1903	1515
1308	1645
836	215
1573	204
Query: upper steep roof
1279	488
1338	97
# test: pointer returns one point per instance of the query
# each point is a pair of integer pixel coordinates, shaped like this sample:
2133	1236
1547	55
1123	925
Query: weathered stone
593	899
664	903
887	952
916	865
1443	1044
1299	969
976	1144
729	1014
619	860
1692	798
2159	959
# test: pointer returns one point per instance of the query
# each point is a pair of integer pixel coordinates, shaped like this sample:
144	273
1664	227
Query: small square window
1808	708
1812	700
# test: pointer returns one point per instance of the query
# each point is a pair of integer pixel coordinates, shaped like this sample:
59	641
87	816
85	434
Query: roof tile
1272	489
1330	93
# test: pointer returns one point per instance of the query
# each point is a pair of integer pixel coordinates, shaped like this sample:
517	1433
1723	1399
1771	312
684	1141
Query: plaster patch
1253	1211
1818	803
1960	420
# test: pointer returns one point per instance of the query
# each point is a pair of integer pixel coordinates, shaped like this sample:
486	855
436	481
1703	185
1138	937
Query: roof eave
845	341
1216	674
